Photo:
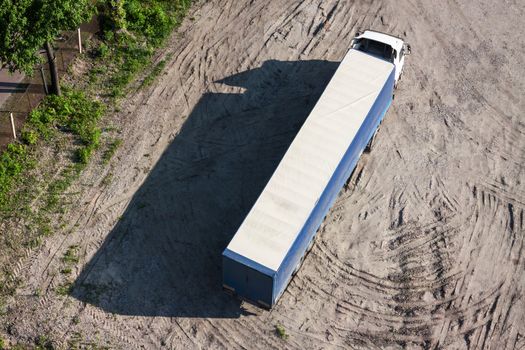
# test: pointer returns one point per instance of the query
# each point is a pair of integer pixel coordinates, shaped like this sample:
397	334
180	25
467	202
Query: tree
29	25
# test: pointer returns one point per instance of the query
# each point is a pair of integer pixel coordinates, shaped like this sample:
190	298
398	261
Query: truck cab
384	46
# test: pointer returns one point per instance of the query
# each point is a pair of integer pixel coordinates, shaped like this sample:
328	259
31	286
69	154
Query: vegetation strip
32	191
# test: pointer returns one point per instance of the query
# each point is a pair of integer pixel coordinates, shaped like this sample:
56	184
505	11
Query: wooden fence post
79	41
13	125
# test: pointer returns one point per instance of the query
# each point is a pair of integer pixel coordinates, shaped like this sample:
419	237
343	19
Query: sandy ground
423	249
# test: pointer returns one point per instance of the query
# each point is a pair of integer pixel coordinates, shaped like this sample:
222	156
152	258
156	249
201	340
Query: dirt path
423	249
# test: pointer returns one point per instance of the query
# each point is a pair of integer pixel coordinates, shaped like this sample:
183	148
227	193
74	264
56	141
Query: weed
66	270
43	343
13	163
112	148
281	332
107	179
64	289
70	256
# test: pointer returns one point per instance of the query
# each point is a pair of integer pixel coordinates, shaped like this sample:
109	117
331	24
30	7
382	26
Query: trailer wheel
370	144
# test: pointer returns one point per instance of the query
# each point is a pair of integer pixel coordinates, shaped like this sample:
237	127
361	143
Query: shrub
83	155
103	50
72	112
149	18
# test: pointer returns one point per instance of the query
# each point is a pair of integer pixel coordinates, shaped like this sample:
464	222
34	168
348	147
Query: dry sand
423	248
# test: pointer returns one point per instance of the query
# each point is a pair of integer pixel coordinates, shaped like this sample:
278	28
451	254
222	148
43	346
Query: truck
273	239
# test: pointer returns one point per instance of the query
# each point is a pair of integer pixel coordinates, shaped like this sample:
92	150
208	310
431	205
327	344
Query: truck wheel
396	84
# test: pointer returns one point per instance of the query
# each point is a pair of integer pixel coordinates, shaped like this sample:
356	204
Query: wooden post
79	41
53	69
13	125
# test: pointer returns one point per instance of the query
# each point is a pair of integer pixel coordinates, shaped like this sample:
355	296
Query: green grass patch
72	113
147	25
14	162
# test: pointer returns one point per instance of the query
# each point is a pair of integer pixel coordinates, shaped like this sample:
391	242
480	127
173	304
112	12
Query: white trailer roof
282	209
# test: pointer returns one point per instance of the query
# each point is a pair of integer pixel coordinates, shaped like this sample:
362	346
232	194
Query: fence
21	97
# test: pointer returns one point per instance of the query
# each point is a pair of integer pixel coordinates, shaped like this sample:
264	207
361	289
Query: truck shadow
163	258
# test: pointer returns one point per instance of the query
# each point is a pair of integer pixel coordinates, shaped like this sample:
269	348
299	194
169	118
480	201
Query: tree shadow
163	258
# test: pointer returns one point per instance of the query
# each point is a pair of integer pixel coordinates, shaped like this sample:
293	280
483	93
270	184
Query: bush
103	50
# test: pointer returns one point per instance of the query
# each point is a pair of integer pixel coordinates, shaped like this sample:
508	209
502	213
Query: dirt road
423	249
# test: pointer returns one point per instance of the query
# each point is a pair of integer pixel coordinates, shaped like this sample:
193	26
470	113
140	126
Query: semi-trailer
269	246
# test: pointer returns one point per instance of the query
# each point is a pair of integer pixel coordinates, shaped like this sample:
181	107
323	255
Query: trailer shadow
163	258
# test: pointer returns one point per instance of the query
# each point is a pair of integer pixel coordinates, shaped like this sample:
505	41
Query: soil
422	250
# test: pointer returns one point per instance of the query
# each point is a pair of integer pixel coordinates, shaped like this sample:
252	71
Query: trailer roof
273	223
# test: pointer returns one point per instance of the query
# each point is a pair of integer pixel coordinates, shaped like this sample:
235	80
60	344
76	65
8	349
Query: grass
155	72
148	25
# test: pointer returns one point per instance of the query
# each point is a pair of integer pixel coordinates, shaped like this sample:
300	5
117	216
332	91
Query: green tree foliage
29	25
118	14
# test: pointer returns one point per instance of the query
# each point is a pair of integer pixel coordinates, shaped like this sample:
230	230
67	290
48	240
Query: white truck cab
384	46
